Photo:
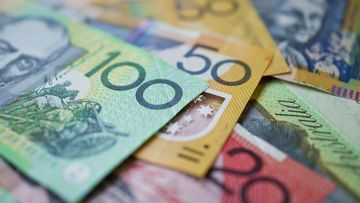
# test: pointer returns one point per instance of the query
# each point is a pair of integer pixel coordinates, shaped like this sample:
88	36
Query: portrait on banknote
31	49
311	36
29	46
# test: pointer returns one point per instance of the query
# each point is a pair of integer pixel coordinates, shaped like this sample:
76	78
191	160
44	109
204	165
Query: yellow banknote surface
226	18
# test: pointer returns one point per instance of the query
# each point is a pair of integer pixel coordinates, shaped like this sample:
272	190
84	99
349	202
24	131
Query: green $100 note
69	133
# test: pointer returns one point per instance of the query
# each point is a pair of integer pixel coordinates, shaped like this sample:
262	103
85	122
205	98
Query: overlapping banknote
79	124
247	170
165	96
319	40
251	167
194	138
287	117
225	18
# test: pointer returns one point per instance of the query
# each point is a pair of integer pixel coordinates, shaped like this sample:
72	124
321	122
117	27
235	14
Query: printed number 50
214	69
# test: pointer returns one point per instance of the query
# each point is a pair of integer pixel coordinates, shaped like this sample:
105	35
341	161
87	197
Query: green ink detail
65	127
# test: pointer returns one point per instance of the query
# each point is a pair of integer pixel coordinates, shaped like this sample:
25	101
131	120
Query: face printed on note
27	45
299	21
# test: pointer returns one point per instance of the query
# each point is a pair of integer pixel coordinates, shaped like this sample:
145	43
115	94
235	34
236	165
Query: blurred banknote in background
226	18
247	170
90	111
320	40
243	172
281	117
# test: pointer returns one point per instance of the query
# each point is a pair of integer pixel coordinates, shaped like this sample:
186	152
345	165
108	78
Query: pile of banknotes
179	101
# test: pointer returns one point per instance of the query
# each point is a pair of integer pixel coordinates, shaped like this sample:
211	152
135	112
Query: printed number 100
139	82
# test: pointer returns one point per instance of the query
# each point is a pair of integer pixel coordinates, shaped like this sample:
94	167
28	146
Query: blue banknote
319	36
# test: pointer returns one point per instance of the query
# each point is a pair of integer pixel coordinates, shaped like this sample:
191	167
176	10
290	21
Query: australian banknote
247	170
194	138
23	67
342	114
280	116
320	41
226	18
92	110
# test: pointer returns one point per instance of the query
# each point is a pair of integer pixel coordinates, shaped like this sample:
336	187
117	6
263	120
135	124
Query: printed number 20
138	82
253	178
